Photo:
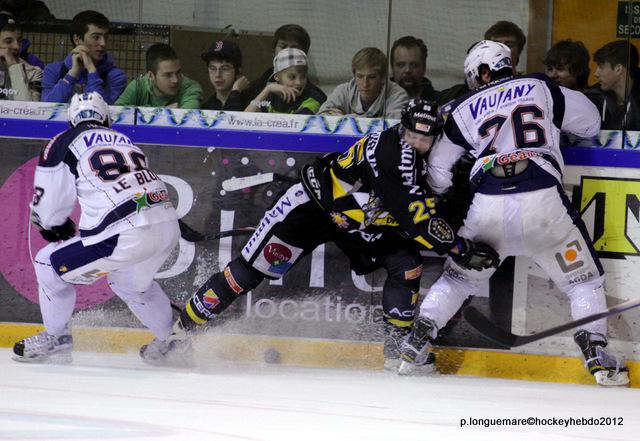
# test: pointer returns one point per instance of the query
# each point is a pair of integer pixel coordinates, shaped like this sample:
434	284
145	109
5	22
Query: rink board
340	354
320	298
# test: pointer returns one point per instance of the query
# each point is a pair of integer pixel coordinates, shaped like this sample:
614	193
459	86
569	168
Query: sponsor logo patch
570	260
210	299
232	281
413	274
147	199
278	256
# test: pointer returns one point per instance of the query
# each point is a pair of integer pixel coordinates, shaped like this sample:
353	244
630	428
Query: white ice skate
43	348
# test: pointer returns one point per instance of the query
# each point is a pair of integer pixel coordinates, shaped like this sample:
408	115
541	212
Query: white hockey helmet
89	107
495	55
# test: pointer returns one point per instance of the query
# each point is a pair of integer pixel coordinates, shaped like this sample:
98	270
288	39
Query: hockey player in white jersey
512	126
128	227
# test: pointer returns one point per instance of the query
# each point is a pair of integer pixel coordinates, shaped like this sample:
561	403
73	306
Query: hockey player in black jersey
373	202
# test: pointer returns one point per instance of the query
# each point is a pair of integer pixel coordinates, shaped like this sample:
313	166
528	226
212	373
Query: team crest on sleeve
441	230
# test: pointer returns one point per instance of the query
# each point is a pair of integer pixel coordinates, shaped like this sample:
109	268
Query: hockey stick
490	330
188	233
233	184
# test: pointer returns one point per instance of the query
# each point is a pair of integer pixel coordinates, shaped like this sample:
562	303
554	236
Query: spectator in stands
508	33
224	62
89	67
369	94
290	93
617	95
408	66
287	36
19	81
567	62
164	84
6	14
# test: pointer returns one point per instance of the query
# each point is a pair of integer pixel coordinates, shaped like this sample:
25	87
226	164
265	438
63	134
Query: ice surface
117	397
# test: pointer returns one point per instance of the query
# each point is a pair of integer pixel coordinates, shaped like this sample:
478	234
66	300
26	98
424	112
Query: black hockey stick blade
188	233
493	332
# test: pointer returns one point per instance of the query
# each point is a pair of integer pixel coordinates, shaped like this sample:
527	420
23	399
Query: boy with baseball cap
290	92
224	62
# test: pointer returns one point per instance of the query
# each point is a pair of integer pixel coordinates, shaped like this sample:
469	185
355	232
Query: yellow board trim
334	354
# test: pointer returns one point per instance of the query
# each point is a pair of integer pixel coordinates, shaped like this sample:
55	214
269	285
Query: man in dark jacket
617	95
408	66
88	68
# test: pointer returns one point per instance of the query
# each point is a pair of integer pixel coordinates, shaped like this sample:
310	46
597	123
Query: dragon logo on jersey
339	219
569	260
278	256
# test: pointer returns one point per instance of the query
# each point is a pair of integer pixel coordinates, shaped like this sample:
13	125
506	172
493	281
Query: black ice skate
604	367
414	353
394	336
175	351
44	347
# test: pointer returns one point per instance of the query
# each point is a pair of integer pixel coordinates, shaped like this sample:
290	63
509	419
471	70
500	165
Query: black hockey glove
476	256
60	232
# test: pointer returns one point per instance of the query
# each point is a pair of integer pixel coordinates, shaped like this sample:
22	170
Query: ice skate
393	338
604	367
175	351
44	348
415	355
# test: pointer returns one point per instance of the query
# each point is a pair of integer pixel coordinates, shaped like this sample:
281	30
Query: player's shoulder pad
387	145
57	148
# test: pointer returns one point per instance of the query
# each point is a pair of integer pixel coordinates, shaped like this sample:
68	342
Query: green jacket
139	92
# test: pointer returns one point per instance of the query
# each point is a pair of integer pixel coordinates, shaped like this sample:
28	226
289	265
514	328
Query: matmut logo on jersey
494	98
277	257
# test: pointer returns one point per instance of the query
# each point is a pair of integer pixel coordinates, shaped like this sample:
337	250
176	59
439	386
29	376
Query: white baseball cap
289	57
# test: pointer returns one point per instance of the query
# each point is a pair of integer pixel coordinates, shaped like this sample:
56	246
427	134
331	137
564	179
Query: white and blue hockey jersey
107	174
511	120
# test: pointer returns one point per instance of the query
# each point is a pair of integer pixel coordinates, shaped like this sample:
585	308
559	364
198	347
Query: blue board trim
280	141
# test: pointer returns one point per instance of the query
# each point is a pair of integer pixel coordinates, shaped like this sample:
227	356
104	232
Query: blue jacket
60	90
29	58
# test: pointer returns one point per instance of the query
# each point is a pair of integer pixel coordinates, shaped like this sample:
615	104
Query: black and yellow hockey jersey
379	186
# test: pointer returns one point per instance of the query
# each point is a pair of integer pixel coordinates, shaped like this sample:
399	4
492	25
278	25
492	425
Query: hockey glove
60	232
476	256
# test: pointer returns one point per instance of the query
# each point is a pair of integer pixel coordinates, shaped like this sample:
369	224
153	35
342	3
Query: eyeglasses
223	70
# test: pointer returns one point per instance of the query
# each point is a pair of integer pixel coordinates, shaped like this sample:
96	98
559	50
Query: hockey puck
271	355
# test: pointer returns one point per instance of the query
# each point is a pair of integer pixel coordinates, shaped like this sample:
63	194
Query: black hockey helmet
421	116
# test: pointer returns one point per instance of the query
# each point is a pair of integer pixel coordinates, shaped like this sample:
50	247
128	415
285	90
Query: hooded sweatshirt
109	81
